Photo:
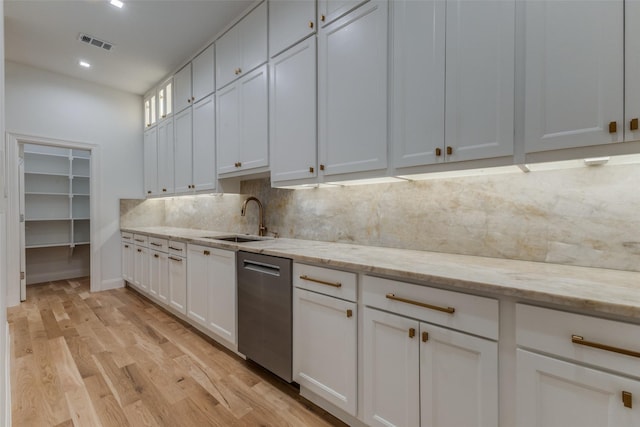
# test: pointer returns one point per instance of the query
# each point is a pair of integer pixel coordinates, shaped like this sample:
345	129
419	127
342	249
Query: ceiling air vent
85	38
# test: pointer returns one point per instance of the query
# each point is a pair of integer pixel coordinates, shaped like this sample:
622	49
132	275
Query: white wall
44	104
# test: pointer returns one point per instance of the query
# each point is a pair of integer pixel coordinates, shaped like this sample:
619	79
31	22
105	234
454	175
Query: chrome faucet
261	228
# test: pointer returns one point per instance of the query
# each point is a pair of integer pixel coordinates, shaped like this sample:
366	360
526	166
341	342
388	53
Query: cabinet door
222	294
418	68
292	112
150	148
573	73
290	21
141	271
228	132
128	260
150	109
227	58
204	144
178	283
325	344
458	379
330	10
632	70
159	276
352	75
203	70
554	393
479	90
198	283
165	99
252	33
182	88
254	119
165	157
183	151
391	376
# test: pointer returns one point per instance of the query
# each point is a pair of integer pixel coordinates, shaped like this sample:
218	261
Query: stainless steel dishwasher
265	311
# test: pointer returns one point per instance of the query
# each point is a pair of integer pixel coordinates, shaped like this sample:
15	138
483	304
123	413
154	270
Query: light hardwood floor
114	358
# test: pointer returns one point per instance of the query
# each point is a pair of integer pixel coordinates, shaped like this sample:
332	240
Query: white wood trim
7	377
106	285
13	213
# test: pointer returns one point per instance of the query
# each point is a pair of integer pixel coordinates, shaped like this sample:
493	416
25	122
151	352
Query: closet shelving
56	196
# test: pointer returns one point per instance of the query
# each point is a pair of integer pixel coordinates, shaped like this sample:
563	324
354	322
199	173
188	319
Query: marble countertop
600	290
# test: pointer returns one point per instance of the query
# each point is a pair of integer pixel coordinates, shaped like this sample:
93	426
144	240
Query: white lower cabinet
128	260
211	290
159	270
555	393
177	277
325	347
419	374
141	263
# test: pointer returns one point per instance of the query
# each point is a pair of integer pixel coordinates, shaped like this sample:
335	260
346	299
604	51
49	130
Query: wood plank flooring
114	358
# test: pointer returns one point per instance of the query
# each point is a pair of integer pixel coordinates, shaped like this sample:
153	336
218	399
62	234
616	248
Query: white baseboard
7	378
55	275
106	285
331	408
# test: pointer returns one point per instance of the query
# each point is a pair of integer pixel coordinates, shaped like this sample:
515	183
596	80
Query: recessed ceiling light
84	64
117	3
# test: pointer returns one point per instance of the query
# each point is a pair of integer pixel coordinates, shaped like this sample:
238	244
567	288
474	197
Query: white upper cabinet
182	88
150	149
243	47
480	61
352	82
290	21
183	151
165	99
632	71
203	70
574	75
292	113
165	157
418	76
330	10
204	147
242	127
150	109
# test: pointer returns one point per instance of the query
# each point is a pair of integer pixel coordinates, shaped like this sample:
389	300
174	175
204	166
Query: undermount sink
237	239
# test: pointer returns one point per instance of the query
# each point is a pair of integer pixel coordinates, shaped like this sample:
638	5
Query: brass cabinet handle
425	336
175	249
613	127
627	399
633	124
577	339
139	250
311	169
139	240
175	259
438	152
449	151
148	191
238	164
193	98
311	24
349	313
206	252
189	100
412	332
156	256
322	18
126	246
322	282
449	310
239	70
155	244
164	190
164	115
321	167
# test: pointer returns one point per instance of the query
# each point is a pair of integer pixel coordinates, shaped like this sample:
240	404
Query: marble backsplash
584	216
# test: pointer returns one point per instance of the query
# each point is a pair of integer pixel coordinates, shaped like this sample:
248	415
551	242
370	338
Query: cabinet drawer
127	237
177	248
603	341
340	284
468	313
156	244
141	239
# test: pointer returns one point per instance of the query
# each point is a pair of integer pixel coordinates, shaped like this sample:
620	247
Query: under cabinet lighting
117	3
84	64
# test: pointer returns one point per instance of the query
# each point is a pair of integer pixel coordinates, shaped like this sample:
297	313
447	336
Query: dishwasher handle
261	267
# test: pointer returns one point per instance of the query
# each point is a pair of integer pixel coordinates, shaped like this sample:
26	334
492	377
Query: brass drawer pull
412	332
156	244
449	310
126	246
156	256
139	240
175	249
425	336
175	259
206	252
349	313
139	250
613	127
633	124
577	339
322	282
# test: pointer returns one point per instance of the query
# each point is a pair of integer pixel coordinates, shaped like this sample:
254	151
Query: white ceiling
151	37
